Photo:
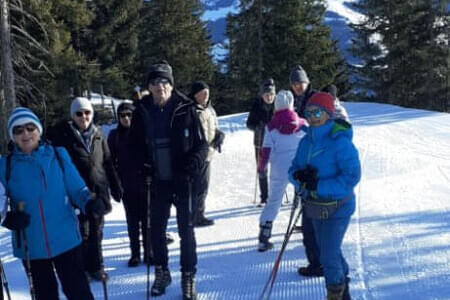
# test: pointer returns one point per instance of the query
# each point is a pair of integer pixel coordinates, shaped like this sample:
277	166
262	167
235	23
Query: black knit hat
160	69
267	86
298	74
125	106
197	87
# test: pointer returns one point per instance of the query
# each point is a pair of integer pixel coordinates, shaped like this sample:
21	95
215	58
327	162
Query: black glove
117	194
95	208
307	176
16	220
218	140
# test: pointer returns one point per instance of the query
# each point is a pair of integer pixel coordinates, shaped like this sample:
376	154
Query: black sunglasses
123	115
18	130
159	80
81	113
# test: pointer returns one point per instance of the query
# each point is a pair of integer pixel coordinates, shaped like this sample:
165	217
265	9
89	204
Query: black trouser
68	267
200	191
92	233
163	196
136	214
309	242
263	180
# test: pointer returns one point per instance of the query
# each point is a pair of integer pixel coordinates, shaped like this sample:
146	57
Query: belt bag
322	210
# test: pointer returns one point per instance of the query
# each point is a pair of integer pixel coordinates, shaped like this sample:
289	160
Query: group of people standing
58	188
305	137
159	155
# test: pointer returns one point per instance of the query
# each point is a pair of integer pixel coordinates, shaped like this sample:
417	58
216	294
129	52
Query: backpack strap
58	158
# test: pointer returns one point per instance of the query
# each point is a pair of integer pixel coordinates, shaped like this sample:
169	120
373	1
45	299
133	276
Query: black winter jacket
95	167
188	146
123	159
260	114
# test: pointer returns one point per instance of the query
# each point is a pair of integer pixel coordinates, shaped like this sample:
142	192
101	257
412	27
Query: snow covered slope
397	244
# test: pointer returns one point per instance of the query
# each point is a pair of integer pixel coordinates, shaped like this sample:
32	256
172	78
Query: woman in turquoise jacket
326	168
44	188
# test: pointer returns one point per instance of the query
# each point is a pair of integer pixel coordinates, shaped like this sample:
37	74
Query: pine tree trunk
7	75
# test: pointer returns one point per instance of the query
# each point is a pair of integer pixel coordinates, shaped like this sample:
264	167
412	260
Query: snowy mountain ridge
338	16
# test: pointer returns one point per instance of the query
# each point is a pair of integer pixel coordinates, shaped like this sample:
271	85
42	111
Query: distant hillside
338	16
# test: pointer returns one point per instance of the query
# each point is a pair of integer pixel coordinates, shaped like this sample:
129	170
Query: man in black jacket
89	152
169	146
301	88
260	114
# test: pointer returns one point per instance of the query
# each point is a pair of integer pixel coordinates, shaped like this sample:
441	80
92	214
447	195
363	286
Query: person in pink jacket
281	138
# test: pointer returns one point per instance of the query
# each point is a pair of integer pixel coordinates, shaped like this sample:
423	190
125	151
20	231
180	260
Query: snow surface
398	243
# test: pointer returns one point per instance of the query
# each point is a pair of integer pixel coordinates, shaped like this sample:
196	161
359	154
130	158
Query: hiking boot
346	295
335	291
162	280
188	286
310	271
99	275
203	222
264	246
169	239
134	261
265	232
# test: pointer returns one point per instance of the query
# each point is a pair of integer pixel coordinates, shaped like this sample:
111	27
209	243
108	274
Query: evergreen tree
404	46
173	31
47	65
282	34
110	42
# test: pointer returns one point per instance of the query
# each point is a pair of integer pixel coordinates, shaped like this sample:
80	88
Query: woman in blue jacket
326	168
43	187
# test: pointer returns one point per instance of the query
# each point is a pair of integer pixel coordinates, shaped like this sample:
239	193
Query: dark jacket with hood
260	114
122	155
187	147
93	161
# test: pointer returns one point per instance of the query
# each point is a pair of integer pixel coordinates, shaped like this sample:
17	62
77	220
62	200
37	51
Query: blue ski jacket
50	192
330	150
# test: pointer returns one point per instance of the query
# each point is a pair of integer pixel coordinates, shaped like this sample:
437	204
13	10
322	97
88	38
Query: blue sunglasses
317	113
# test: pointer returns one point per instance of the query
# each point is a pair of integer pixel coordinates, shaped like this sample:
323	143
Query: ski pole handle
20	208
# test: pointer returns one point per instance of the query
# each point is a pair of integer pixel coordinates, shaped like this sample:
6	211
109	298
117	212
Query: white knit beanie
284	100
80	104
21	116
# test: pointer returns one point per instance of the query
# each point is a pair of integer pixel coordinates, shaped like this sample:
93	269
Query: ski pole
286	197
267	291
105	291
4	282
256	188
148	183
21	207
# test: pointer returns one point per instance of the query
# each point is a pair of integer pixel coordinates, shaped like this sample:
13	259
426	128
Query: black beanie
125	106
330	89
197	87
267	86
161	69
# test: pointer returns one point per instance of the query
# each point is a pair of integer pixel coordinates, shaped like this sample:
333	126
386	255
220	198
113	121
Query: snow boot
346	295
310	271
162	280
265	232
188	286
335	291
134	261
